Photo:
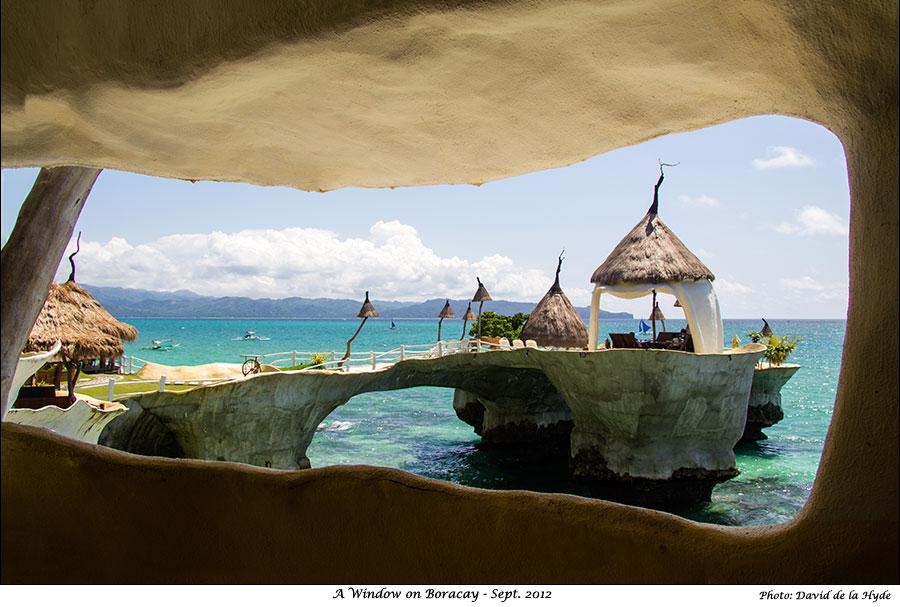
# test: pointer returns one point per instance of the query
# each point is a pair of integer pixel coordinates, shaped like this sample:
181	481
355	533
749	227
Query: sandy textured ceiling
387	96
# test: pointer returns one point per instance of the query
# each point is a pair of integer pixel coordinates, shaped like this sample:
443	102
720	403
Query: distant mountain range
140	303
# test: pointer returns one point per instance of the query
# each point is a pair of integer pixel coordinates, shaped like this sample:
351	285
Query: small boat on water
163	344
251	335
393	326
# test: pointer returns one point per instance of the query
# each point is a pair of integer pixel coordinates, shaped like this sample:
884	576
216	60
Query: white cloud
702	201
811	220
808	286
392	263
782	156
728	287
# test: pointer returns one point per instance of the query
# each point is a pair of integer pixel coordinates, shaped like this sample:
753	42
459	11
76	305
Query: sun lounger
518	343
624	340
530	343
504	343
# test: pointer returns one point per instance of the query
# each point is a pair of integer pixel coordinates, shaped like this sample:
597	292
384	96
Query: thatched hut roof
650	253
481	294
657	314
447	311
469	315
87	331
367	310
554	321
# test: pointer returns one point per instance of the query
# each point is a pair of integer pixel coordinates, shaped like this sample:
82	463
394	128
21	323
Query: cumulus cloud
702	201
392	262
811	221
782	156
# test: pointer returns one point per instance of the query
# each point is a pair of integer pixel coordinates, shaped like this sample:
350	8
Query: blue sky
764	202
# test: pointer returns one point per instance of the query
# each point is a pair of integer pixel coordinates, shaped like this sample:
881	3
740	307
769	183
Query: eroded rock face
646	414
764	408
527	410
636	414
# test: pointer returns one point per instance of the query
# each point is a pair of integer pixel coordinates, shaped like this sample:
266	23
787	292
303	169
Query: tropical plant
317	358
500	325
777	348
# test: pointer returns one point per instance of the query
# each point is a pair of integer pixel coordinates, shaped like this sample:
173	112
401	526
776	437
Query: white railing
162	383
357	361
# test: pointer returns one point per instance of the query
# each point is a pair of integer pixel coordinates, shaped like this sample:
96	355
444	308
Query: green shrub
499	325
777	348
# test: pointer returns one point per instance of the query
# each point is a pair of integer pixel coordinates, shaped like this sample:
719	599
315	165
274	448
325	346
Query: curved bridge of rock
636	414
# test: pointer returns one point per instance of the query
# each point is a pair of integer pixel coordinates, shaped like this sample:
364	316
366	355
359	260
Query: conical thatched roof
650	253
766	330
554	321
367	310
447	312
657	314
481	294
87	331
470	315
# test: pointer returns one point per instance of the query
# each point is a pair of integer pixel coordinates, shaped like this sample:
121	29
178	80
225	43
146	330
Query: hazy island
140	303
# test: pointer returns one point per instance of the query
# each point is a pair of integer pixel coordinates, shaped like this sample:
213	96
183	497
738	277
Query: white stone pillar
595	319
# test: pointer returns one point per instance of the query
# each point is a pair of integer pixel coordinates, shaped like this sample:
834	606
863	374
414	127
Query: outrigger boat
252	335
162	344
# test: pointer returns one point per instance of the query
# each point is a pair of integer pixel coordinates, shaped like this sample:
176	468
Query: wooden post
402	352
372	358
162	383
109	393
480	304
31	256
294	358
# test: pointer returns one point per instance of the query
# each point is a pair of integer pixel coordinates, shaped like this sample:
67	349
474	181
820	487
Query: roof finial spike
654	208
71	257
556	287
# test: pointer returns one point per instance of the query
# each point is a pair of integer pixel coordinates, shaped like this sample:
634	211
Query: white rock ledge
638	414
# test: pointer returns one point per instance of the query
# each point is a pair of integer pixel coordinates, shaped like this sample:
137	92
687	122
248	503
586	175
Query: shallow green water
417	430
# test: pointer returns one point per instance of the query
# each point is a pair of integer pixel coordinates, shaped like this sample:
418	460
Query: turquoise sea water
417	430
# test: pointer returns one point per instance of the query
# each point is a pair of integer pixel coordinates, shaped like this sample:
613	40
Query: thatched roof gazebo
652	258
84	328
554	320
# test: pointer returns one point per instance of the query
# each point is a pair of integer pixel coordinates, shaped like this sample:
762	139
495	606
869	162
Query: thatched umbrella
766	330
481	296
554	320
469	315
447	312
656	314
84	327
650	257
365	312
